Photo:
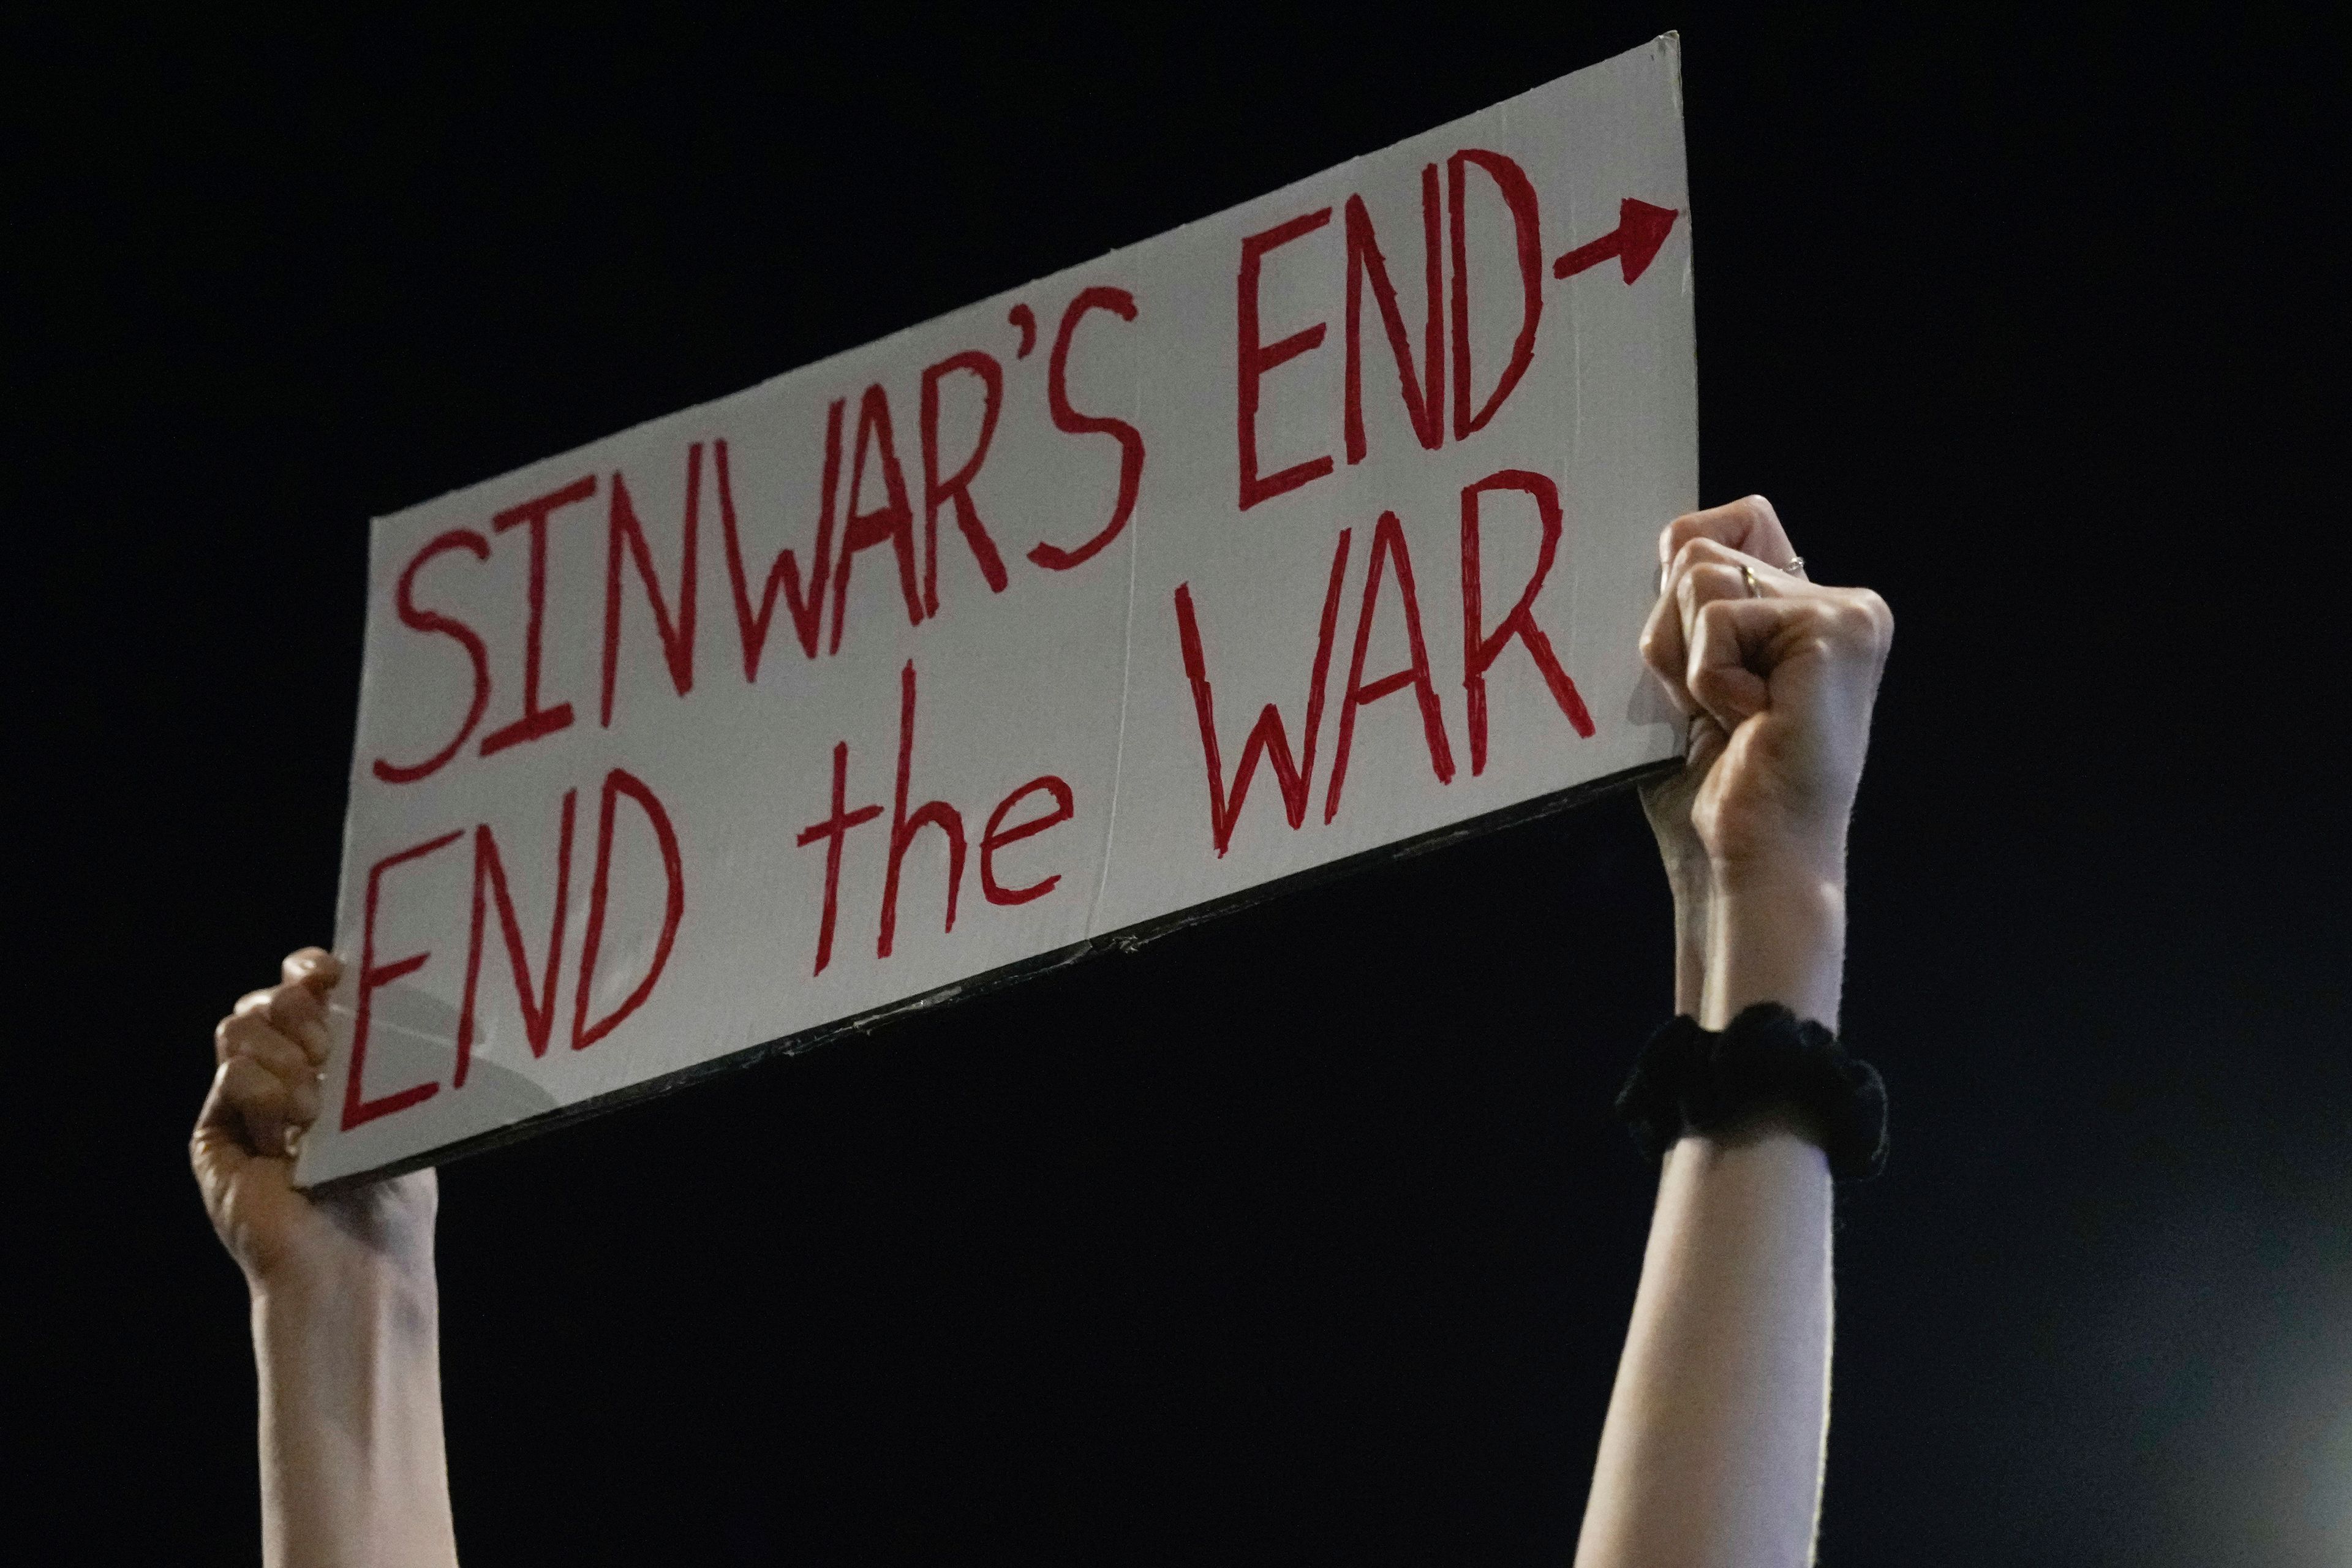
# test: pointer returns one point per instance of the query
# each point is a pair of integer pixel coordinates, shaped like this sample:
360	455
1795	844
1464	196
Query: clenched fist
1777	676
266	1090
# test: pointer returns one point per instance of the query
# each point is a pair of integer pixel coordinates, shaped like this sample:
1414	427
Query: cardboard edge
1127	939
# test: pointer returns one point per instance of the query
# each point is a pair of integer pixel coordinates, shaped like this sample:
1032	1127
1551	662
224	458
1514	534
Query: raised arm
346	1318
1712	1452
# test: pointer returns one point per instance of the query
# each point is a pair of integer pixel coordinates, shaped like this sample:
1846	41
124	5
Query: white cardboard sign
1304	530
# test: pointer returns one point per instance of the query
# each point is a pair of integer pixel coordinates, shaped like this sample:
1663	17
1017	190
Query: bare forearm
1712	1450
1777	935
353	1466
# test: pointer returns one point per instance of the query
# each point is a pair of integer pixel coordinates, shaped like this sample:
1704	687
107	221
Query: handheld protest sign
1314	529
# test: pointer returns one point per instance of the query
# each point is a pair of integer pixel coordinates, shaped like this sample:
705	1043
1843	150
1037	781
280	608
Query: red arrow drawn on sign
1640	229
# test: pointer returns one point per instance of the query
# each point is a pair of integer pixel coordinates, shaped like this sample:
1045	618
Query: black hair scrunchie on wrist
1689	1080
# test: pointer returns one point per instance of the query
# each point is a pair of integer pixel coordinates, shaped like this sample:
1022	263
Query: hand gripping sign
1304	532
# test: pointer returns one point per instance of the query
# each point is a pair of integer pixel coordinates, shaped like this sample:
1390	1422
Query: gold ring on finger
1748	573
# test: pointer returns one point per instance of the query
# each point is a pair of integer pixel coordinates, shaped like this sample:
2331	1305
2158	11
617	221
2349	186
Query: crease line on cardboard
1125	690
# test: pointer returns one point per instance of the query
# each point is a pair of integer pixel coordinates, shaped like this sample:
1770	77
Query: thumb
312	967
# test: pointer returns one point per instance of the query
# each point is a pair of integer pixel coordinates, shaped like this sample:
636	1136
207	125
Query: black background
1303	1235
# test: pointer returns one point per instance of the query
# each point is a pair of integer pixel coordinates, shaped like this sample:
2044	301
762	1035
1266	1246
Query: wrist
368	1307
1788	857
1777	934
373	1240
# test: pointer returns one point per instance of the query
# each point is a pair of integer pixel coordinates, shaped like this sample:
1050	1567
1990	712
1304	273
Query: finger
1704	582
252	1041
313	968
304	1098
251	1105
1663	650
1703	570
1666	635
1738	646
1697	584
251	1035
1729	656
299	1014
1748	525
1767	578
1871	620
